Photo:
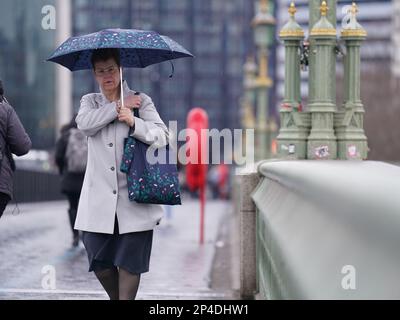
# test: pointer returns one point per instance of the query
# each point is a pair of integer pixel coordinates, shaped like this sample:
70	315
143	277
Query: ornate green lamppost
248	101
247	104
334	134
263	25
292	138
352	142
322	142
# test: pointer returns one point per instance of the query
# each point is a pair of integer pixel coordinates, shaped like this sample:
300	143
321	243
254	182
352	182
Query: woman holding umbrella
117	233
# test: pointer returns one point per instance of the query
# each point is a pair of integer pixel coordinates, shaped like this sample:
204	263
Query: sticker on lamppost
291	148
349	280
321	152
49	278
49	20
352	151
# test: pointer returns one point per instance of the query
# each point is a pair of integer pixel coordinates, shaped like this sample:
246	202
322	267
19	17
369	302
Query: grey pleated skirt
130	251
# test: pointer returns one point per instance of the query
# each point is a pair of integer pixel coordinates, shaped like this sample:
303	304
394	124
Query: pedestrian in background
223	181
117	233
71	158
218	180
13	140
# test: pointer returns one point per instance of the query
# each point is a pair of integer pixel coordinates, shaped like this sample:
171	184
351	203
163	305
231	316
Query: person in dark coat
13	140
71	182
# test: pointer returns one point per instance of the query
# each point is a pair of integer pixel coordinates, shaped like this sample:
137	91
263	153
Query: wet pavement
37	261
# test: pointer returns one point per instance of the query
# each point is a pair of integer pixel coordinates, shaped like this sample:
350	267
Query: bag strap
135	112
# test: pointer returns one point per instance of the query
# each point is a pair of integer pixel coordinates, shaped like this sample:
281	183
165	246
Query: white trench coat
104	192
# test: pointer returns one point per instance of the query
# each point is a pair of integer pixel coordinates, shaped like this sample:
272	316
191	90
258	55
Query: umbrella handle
122	89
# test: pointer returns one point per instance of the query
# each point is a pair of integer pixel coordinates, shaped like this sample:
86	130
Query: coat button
115	191
112	169
110	145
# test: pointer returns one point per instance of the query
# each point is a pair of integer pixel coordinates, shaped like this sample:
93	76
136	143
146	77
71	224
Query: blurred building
396	41
28	80
216	32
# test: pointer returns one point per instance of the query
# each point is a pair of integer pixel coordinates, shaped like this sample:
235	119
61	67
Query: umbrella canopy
138	48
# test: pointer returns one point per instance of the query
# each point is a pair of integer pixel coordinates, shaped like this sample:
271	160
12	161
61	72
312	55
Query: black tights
73	199
119	283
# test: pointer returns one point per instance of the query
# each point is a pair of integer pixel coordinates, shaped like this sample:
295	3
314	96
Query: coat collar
125	88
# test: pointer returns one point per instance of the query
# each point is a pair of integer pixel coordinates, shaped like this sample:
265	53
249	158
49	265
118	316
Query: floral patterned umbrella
138	48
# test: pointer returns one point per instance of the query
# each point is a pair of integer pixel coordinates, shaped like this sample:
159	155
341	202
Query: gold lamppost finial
324	9
354	9
292	9
264	6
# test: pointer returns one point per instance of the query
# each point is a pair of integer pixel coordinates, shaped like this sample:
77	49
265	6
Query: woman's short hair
105	54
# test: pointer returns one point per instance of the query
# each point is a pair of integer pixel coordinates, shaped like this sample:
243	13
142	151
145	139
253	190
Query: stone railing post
248	274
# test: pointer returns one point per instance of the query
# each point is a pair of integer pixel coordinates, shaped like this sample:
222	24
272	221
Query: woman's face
107	74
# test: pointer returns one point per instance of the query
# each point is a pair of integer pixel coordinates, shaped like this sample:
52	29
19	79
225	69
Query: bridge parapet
326	230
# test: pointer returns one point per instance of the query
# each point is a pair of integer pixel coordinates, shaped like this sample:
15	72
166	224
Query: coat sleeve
150	128
91	119
17	138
